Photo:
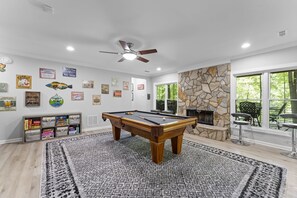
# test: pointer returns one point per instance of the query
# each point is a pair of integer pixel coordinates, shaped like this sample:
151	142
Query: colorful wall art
23	82
140	86
32	99
117	93
69	72
125	85
56	101
88	84
3	87
77	96
104	88
7	103
47	73
96	99
58	85
2	67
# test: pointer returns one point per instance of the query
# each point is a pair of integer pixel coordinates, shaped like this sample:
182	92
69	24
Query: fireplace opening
204	116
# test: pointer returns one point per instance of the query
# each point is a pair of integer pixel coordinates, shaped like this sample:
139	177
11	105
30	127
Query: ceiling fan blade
124	45
121	60
150	51
142	59
108	52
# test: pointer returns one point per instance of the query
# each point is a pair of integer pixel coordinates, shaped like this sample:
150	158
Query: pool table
156	127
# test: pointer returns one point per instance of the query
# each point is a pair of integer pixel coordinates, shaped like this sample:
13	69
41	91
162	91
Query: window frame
166	93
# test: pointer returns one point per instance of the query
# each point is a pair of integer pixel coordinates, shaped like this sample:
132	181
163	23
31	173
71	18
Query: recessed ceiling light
70	48
159	69
245	45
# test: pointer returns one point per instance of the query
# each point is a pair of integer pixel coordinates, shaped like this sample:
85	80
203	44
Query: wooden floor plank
20	165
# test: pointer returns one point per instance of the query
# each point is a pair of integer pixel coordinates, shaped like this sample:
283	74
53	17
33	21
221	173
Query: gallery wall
11	125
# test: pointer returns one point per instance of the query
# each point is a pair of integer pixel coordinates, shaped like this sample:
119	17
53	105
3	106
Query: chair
246	121
252	109
293	126
274	117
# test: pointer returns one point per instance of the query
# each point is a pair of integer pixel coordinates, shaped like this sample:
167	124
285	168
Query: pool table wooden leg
116	132
176	143
157	151
133	134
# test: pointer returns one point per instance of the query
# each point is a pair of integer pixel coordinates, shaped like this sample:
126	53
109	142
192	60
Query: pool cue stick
148	120
160	116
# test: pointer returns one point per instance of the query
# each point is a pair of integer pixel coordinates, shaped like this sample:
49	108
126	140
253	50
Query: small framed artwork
2	67
32	99
3	87
77	96
114	82
7	103
140	87
104	88
96	99
125	85
69	72
23	82
88	84
47	73
117	93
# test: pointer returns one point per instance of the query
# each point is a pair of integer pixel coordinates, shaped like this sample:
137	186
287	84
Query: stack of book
62	120
61	131
48	122
32	135
73	130
32	124
48	134
74	119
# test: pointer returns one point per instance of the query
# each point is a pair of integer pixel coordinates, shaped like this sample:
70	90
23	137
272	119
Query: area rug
98	166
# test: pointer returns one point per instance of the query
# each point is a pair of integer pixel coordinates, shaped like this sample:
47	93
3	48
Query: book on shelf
61	131
61	120
73	130
32	124
74	119
48	133
48	122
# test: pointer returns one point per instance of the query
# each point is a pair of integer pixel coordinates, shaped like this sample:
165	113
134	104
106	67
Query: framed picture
104	88
47	73
32	99
117	93
69	72
140	86
2	67
56	101
3	87
77	96
23	82
114	82
88	84
7	103
125	85
96	99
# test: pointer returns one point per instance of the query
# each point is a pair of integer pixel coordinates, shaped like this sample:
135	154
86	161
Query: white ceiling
185	33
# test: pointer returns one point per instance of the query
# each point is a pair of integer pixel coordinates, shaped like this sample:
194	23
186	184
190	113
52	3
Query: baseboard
277	146
11	141
96	128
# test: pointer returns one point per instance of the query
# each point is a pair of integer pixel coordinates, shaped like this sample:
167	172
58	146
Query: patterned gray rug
98	166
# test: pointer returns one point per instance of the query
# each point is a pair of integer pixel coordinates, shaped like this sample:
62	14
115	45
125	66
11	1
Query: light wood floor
20	165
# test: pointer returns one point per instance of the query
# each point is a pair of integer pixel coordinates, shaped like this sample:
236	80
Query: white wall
11	122
277	60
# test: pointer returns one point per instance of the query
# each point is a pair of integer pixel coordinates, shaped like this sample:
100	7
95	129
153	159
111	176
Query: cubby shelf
49	126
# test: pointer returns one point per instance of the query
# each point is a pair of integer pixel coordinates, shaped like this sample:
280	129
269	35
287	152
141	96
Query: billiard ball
164	118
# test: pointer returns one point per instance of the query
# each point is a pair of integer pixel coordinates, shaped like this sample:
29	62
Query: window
283	97
166	97
249	97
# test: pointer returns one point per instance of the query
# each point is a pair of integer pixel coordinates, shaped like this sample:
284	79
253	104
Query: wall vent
282	33
92	120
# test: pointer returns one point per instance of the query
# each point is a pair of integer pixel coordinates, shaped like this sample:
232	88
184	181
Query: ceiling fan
130	54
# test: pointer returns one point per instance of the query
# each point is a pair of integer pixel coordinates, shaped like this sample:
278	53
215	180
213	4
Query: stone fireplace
207	91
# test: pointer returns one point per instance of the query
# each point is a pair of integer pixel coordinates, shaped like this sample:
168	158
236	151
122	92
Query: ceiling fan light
129	56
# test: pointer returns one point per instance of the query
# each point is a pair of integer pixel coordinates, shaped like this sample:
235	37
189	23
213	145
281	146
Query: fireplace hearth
204	116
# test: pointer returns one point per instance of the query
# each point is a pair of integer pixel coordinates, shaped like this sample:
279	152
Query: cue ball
164	118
